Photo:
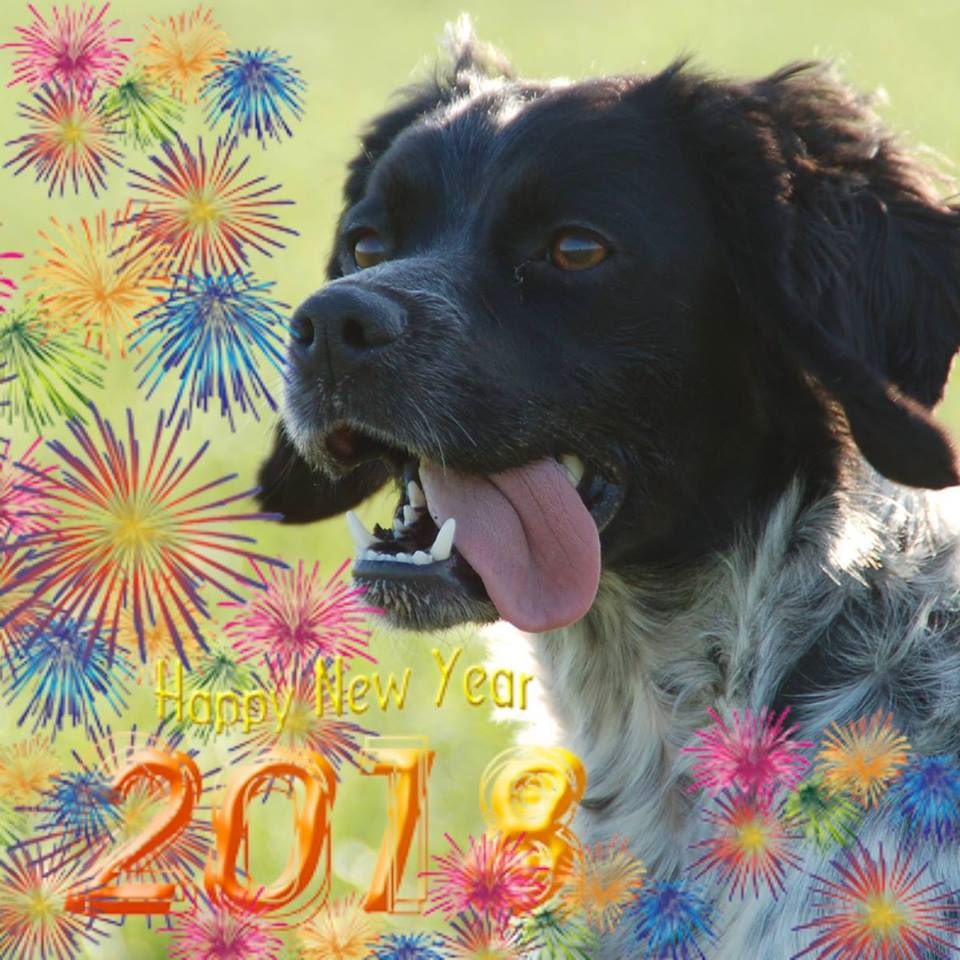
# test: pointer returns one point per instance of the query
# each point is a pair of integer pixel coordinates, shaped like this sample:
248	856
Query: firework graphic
342	930
258	93
600	881
862	758
75	49
752	842
67	671
181	50
926	798
214	332
558	936
134	533
34	922
492	877
754	755
78	808
407	946
149	114
670	920
52	371
85	284
70	140
7	286
20	617
27	768
869	911
200	214
212	931
299	617
484	936
23	508
217	670
825	817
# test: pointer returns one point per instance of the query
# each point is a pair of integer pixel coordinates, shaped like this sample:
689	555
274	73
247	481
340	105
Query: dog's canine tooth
421	557
415	495
574	467
410	515
362	537
398	525
443	543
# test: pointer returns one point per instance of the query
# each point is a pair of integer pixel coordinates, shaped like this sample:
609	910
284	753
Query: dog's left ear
842	253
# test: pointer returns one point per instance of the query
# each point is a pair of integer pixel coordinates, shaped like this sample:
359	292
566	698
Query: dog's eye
577	250
369	250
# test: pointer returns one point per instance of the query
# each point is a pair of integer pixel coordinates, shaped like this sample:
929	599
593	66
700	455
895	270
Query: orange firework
26	769
341	930
180	51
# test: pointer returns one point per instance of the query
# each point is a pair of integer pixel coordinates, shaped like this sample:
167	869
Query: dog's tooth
403	557
370	555
362	537
410	515
443	543
421	557
398	526
415	495
574	467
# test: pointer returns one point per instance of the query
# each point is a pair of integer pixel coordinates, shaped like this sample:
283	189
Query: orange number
102	895
407	769
311	829
532	793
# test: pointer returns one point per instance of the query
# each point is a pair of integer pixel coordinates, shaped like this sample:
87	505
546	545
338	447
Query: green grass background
352	56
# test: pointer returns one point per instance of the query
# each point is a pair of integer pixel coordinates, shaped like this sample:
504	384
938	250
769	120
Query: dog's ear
290	487
841	250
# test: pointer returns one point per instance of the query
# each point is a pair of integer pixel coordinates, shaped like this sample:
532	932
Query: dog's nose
348	327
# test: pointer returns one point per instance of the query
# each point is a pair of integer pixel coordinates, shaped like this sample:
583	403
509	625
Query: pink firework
201	214
299	617
135	532
75	49
212	931
751	843
24	484
7	286
491	877
869	911
71	140
754	755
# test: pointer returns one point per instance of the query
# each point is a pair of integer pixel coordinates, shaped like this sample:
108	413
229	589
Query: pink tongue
527	534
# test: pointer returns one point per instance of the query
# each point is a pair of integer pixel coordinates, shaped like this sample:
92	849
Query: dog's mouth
525	540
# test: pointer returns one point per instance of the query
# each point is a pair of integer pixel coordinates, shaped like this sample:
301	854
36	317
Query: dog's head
604	323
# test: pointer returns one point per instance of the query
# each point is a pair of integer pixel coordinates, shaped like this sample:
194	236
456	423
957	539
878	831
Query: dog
651	361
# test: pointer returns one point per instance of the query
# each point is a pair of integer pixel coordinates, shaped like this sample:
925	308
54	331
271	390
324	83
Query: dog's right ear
290	487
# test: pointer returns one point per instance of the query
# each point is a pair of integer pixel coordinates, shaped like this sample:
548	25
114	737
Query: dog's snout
347	327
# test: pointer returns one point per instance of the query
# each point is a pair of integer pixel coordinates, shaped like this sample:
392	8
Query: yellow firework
87	279
342	930
27	768
600	882
180	51
862	758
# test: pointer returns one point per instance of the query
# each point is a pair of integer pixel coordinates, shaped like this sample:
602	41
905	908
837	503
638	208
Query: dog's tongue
527	534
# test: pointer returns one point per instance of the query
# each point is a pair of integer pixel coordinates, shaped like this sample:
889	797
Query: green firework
558	936
826	818
150	115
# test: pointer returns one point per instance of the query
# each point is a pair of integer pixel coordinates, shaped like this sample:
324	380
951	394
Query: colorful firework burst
212	931
870	911
34	921
181	50
862	758
135	534
52	371
79	807
23	508
752	842
70	140
68	670
492	876
257	92
407	946
76	49
214	331
485	936
926	797
600	881
558	936
298	617
83	281
754	755
824	816
200	214
342	930
671	920
27	768
7	286
148	113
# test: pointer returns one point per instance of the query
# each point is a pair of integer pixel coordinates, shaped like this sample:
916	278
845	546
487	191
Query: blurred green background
353	55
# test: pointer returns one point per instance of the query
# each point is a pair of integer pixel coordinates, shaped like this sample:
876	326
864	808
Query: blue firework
256	91
926	797
407	946
668	919
66	672
215	332
79	806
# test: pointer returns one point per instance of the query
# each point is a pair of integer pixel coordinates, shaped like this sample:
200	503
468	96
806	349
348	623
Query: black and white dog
651	361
